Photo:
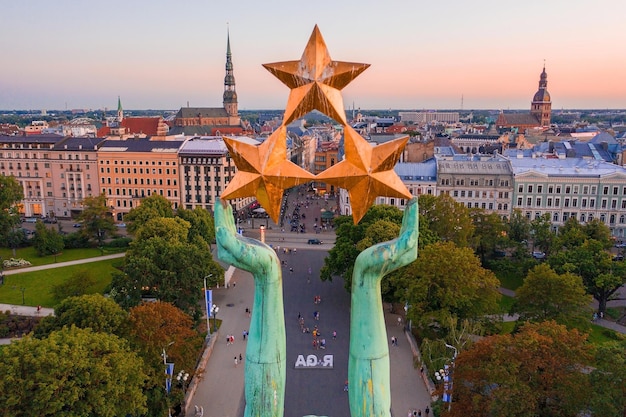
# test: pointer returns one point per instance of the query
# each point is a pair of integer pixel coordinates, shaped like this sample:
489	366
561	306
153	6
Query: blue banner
209	302
169	369
168	385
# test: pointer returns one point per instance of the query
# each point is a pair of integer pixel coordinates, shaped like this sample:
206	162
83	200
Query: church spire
541	106
230	95
120	111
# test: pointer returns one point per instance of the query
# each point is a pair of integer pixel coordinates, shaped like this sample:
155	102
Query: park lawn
506	303
599	335
38	284
30	254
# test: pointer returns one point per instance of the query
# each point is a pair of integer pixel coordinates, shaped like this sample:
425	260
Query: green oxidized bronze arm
368	366
266	347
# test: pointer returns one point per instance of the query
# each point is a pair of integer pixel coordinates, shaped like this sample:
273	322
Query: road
309	391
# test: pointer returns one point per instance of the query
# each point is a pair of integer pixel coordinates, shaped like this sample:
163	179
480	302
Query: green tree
77	284
96	218
546	295
94	311
608	379
446	218
162	263
446	281
47	241
539	371
601	276
542	235
352	239
201	222
150	208
519	233
72	372
489	232
11	194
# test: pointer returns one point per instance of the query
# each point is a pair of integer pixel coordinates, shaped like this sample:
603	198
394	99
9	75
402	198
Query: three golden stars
315	83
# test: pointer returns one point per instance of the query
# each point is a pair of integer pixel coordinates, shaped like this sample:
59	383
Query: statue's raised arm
368	366
266	351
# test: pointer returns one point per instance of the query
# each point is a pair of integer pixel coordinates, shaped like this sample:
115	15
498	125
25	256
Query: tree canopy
96	218
151	207
72	372
445	281
588	258
94	311
47	241
539	371
163	263
546	295
11	194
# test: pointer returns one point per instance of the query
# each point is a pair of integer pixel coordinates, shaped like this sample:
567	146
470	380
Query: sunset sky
156	54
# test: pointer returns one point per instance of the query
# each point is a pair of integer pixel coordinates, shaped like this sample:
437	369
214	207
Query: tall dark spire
230	95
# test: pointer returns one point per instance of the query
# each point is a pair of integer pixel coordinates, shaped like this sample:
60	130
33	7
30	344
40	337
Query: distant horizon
114	110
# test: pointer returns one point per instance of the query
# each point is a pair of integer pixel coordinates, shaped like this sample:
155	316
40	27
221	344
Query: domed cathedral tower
230	95
541	106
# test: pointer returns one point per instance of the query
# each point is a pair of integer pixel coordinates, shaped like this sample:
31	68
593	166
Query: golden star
264	171
367	172
315	81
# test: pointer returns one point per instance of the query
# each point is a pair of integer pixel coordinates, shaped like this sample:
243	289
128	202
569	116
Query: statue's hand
241	252
385	257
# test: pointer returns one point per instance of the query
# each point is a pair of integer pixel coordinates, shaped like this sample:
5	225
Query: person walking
236	362
427	411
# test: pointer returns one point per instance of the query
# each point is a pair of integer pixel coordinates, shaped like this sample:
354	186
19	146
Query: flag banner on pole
169	369
209	302
168	385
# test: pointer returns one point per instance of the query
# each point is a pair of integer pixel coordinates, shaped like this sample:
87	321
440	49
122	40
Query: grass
30	254
506	303
38	284
599	335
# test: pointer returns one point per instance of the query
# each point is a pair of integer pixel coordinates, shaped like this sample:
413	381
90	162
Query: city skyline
479	55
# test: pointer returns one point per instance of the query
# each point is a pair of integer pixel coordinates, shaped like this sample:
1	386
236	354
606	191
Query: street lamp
182	378
214	310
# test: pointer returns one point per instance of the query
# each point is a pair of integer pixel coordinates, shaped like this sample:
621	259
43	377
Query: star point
315	81
367	172
263	171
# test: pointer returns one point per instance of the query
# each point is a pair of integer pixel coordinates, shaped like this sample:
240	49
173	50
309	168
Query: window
540	189
530	189
605	190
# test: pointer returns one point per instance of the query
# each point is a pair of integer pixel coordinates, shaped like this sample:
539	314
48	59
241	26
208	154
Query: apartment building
27	158
132	169
477	181
578	187
205	170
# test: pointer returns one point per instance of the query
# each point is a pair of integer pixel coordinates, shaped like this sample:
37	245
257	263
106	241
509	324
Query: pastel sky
157	54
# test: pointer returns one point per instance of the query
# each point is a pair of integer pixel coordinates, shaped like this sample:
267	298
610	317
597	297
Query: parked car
49	220
77	225
314	242
539	255
30	220
122	225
